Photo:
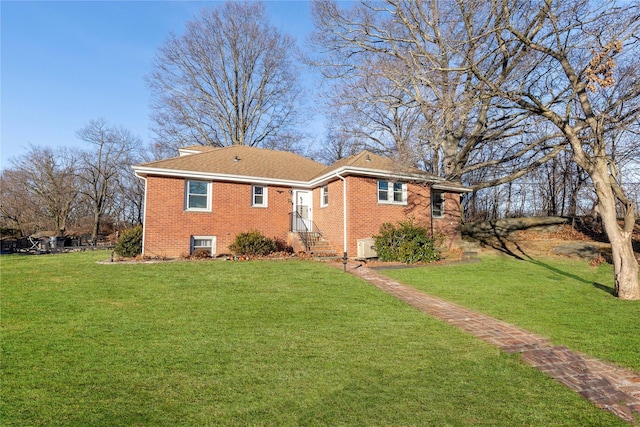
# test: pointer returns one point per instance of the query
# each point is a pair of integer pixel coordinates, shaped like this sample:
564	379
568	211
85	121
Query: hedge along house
202	199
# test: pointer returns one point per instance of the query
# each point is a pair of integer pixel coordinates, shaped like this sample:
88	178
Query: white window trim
390	200
213	243
186	196
443	199
324	191
265	192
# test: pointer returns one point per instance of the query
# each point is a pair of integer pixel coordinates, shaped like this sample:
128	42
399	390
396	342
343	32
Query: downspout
431	210
144	214
344	220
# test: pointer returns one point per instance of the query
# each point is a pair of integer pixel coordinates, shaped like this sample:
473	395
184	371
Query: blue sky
66	63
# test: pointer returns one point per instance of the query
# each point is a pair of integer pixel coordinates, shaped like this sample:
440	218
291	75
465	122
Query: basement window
203	245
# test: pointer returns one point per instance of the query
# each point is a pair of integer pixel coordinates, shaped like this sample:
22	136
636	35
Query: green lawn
248	343
565	300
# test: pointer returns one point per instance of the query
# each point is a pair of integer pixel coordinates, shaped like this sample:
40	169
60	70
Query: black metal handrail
307	230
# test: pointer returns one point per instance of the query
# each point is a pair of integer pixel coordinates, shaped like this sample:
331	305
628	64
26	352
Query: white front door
302	212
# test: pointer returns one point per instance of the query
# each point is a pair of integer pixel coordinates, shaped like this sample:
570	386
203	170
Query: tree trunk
96	227
625	265
450	167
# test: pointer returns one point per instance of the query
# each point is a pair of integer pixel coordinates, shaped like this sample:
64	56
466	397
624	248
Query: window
197	196
392	192
203	245
324	196
437	204
259	196
398	192
383	191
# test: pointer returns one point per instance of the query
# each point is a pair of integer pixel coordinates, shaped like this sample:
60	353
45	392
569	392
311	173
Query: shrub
130	242
201	253
252	243
282	246
405	242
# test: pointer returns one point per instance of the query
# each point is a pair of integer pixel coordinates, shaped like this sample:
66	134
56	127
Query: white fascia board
376	173
144	171
437	182
452	187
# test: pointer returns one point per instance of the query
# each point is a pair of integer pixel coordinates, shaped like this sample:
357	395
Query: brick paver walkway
607	386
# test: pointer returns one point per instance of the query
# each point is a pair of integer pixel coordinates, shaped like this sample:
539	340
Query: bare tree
577	63
128	198
421	50
19	209
373	114
49	176
228	80
337	143
102	165
557	188
559	183
488	73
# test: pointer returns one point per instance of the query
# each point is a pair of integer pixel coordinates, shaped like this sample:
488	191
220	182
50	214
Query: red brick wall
365	215
329	218
450	225
168	227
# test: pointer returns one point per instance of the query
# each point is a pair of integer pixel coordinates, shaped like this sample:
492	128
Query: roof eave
142	171
380	173
449	186
438	183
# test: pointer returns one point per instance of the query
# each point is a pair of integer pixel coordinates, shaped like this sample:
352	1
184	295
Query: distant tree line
82	192
557	188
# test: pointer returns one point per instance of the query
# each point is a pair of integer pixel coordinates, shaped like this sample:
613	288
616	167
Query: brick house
202	199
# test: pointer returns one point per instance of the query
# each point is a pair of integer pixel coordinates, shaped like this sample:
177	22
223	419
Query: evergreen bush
253	243
130	242
406	242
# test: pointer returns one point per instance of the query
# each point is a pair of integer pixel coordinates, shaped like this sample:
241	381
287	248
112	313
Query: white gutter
353	170
344	213
436	182
452	187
